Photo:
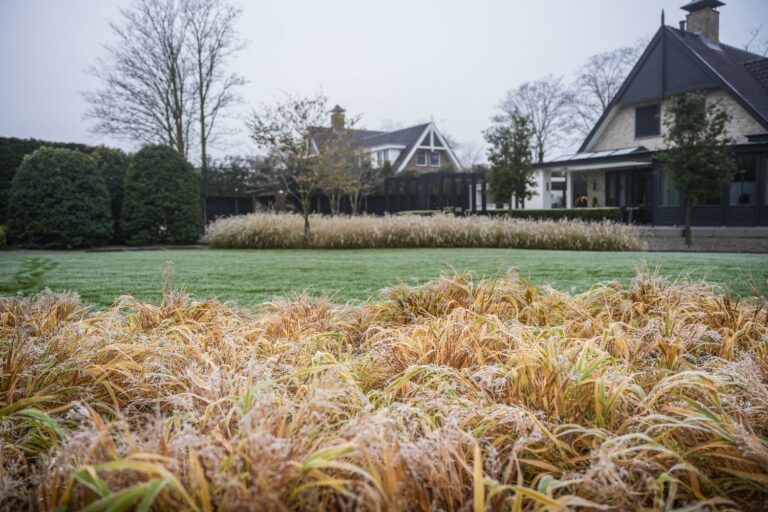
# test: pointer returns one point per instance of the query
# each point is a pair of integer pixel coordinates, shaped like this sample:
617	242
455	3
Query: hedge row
585	214
62	198
12	152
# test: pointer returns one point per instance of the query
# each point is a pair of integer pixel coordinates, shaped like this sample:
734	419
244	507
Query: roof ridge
398	130
683	33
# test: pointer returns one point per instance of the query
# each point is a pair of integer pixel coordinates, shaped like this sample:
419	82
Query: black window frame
648	121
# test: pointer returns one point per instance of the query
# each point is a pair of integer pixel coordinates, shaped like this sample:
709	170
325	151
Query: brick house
615	166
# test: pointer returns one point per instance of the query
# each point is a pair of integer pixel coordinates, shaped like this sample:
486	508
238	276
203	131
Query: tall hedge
112	164
58	200
12	152
162	198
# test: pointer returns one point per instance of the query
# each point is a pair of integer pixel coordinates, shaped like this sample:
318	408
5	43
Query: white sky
405	61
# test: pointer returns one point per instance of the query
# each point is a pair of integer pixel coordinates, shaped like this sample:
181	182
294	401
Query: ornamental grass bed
463	394
286	231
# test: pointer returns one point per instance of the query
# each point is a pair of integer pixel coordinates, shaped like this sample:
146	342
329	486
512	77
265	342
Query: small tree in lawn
698	157
285	131
510	160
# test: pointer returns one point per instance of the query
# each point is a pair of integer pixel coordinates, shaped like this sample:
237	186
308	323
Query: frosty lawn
250	277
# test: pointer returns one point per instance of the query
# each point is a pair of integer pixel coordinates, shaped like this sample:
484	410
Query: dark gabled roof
408	137
404	137
734	68
759	70
361	135
677	61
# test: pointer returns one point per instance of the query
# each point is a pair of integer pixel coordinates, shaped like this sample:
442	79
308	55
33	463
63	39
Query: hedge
112	164
586	214
12	152
162	202
58	200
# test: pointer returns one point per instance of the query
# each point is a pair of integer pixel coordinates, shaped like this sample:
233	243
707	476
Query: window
427	141
744	183
713	197
380	158
647	121
434	159
421	158
668	194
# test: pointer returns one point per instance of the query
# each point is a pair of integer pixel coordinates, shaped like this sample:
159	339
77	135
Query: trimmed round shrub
162	198
113	164
59	200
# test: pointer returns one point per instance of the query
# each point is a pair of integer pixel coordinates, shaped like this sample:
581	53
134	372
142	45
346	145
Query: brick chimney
704	18
337	118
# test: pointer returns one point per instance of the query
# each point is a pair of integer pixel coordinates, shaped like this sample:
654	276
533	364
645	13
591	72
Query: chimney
704	18
337	118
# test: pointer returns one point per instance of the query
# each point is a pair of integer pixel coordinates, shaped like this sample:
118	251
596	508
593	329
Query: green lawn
254	276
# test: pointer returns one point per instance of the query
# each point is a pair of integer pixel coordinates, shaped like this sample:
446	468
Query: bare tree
757	44
285	131
470	154
166	74
545	103
338	155
365	180
148	77
598	82
212	40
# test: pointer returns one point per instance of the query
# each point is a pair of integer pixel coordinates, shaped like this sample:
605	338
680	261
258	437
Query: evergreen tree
58	200
112	164
162	198
509	155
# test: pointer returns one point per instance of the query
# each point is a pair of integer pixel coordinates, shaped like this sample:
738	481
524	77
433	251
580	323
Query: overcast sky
396	61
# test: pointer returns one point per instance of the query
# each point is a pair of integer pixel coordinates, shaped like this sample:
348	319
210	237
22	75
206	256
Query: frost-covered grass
271	231
483	394
251	277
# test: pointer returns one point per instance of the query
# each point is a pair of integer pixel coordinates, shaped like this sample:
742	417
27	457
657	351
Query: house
615	166
417	149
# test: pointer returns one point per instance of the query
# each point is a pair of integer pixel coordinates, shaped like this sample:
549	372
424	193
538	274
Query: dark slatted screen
647	121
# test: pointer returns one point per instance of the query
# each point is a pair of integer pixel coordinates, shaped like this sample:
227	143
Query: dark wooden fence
465	192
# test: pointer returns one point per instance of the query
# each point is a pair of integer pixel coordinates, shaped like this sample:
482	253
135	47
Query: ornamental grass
286	231
463	394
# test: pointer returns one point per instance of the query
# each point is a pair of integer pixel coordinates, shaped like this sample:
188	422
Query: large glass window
743	187
711	197
648	121
434	159
421	157
669	197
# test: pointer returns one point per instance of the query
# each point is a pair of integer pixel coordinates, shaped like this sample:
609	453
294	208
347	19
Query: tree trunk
688	217
305	205
306	228
334	198
203	135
